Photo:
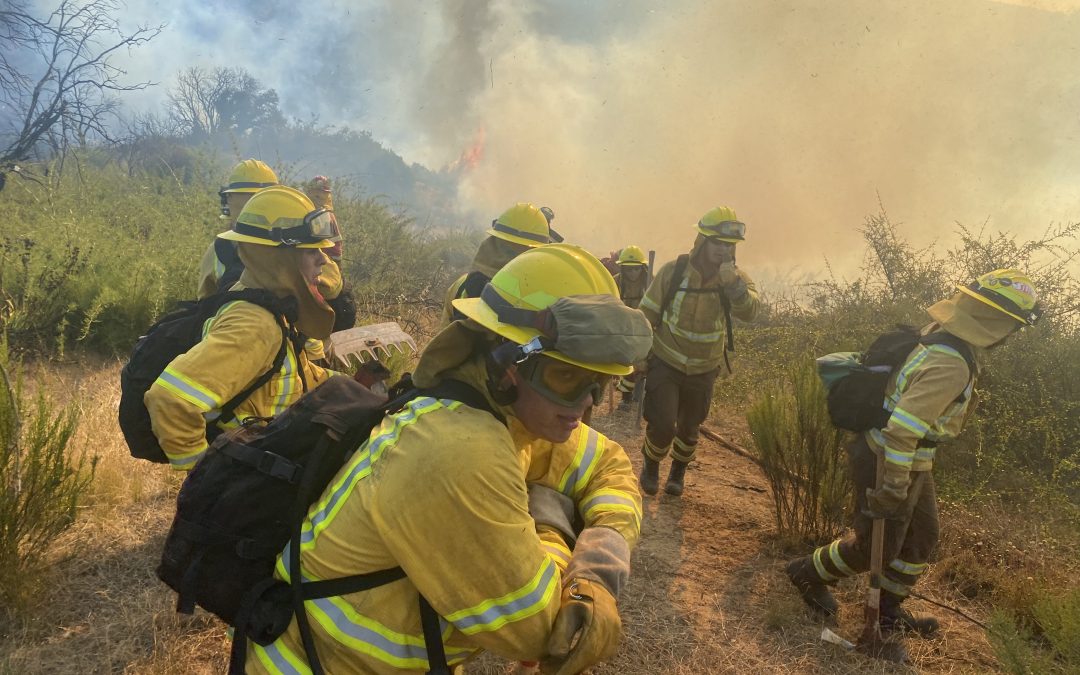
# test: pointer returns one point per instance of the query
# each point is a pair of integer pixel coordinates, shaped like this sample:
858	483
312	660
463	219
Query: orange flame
470	157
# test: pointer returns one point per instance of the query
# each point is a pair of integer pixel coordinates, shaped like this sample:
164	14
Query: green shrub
40	485
1047	643
800	453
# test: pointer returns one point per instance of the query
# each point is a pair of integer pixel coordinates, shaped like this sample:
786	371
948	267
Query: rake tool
349	347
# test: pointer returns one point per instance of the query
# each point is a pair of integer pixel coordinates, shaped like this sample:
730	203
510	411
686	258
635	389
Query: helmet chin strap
498	361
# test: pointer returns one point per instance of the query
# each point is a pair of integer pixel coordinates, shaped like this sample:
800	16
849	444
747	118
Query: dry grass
707	594
101	609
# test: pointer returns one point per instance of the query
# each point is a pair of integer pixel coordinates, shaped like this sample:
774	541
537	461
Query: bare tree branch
62	91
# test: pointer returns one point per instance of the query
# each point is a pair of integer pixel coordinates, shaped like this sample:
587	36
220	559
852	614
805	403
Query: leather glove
885	502
587	629
554	509
733	284
888	501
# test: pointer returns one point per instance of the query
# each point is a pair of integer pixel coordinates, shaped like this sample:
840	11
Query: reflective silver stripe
583	464
492	617
361	464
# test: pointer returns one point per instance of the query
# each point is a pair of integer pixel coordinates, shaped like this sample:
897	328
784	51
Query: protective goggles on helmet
725	229
316	226
1028	317
562	383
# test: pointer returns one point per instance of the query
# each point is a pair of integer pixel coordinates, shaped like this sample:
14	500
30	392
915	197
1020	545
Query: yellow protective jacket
239	344
631	292
930	397
691	337
440	490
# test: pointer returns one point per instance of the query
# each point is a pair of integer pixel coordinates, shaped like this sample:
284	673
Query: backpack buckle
278	467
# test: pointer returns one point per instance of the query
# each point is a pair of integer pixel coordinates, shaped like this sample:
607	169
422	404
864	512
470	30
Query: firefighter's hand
587	629
732	282
885	502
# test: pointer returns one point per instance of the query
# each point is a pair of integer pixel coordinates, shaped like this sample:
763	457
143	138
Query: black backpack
856	400
247	498
174	334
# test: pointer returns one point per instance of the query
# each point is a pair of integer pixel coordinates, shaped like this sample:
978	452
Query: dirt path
707	593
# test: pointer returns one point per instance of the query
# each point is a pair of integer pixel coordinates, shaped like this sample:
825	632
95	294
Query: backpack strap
725	303
308	590
285	313
673	286
949	340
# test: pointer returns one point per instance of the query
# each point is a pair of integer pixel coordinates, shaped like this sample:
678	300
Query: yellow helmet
250	175
522	224
632	255
1008	290
534	281
721	223
282	216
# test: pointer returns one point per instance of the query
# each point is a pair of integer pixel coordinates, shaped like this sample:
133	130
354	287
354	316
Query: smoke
800	117
631	119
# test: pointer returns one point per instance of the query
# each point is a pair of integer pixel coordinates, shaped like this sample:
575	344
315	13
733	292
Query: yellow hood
277	269
972	321
493	254
458	352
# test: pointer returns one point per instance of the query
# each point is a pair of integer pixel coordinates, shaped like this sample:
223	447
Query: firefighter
479	509
690	305
929	397
632	278
279	237
519	228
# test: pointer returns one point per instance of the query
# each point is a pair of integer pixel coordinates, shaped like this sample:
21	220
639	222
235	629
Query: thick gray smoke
632	119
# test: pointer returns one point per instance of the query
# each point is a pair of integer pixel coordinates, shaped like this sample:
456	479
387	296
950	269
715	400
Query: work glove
587	629
888	501
732	282
554	509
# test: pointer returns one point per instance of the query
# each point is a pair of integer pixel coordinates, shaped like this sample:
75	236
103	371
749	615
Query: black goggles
562	383
316	226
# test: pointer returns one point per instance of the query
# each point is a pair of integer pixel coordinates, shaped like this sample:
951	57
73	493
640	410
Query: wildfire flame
470	157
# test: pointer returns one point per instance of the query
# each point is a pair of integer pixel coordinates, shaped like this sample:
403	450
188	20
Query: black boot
894	618
675	478
813	590
650	476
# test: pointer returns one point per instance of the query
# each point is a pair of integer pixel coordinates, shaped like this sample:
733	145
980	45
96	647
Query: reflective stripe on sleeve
908	421
187	389
279	659
577	475
493	614
611	500
186	461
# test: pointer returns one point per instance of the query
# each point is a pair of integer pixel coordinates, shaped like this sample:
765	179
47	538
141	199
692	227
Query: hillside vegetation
89	259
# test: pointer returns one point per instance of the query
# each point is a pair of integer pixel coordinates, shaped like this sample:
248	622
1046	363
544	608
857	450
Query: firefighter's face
543	417
311	264
715	252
